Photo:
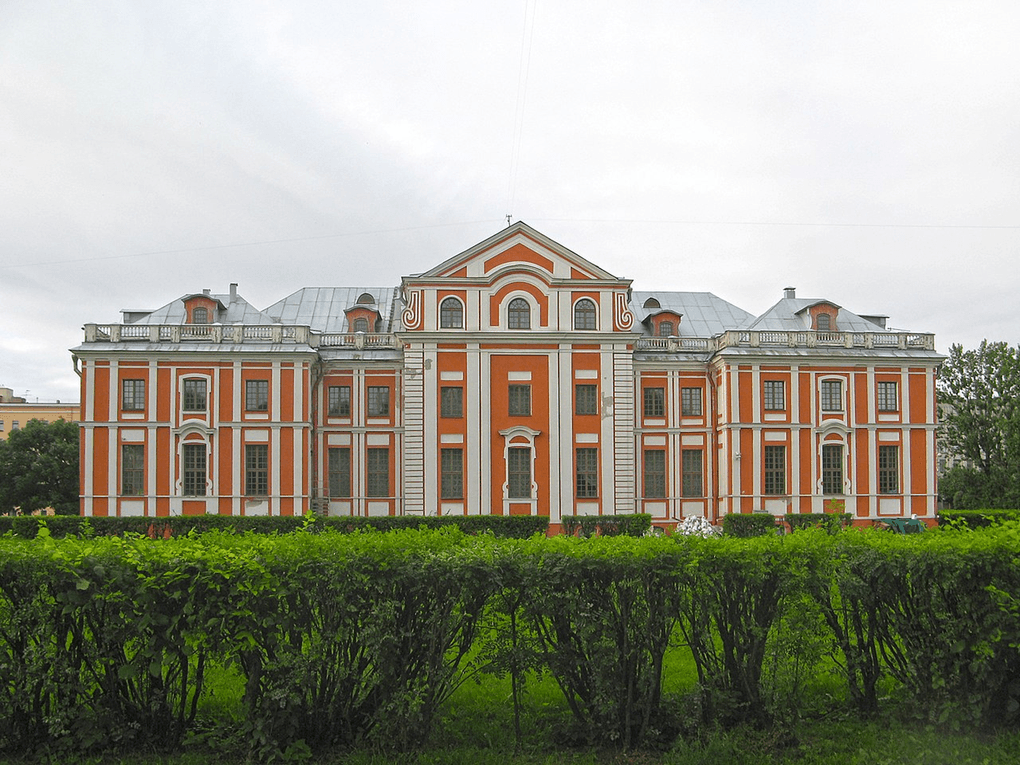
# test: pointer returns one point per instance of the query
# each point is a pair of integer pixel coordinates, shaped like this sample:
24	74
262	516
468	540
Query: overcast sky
865	152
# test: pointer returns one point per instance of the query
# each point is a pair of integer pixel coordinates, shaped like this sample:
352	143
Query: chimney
233	292
205	292
789	292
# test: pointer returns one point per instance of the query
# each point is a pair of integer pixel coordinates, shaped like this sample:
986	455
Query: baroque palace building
513	378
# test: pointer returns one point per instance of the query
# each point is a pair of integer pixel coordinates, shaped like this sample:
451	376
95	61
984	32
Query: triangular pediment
518	247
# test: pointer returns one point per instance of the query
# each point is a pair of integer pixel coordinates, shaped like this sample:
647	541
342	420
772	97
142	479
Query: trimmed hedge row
515	526
631	525
344	639
976	518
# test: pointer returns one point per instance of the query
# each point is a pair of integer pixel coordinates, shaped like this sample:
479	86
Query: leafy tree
39	468
979	397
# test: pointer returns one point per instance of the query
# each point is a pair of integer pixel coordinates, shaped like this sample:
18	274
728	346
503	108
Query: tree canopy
979	398
39	468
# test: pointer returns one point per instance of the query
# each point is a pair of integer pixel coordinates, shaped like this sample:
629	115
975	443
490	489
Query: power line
232	245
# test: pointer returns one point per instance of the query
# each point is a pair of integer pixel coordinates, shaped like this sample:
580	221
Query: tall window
665	328
256	395
888	470
194	395
655	473
518	472
451	474
339	400
587	473
378	401
775	395
832	395
339	471
199	315
692	470
832	469
654	402
584	314
586	399
519	398
361	325
518	314
132	470
132	395
256	470
888	400
451	314
378	472
193	457
451	401
775	470
690	402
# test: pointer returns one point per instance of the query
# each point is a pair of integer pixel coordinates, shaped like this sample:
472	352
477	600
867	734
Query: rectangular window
519	397
518	472
692	469
339	400
832	469
655	474
339	470
586	399
451	479
132	470
193	479
888	400
378	472
378	401
132	395
194	395
888	470
832	395
587	473
775	395
256	395
256	470
451	401
775	470
690	402
655	402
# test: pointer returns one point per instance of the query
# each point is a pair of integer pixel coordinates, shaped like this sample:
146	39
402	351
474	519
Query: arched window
824	322
451	314
361	325
665	328
518	314
199	315
366	298
584	314
651	303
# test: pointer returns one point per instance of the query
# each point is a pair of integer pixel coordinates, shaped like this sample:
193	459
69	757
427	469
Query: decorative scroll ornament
411	317
622	317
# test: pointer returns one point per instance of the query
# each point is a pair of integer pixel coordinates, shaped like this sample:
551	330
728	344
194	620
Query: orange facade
514	378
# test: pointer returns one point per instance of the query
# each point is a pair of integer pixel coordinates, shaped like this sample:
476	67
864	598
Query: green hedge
976	518
515	526
749	525
630	525
831	522
350	639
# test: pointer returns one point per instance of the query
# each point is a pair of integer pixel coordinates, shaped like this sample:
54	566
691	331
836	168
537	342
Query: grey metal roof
786	316
704	314
240	311
322	308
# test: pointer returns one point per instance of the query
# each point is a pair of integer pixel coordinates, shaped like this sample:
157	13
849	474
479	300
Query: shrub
748	525
632	525
831	522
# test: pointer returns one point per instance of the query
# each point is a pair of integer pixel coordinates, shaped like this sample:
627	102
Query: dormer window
366	298
518	314
361	325
666	329
823	322
199	315
652	303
